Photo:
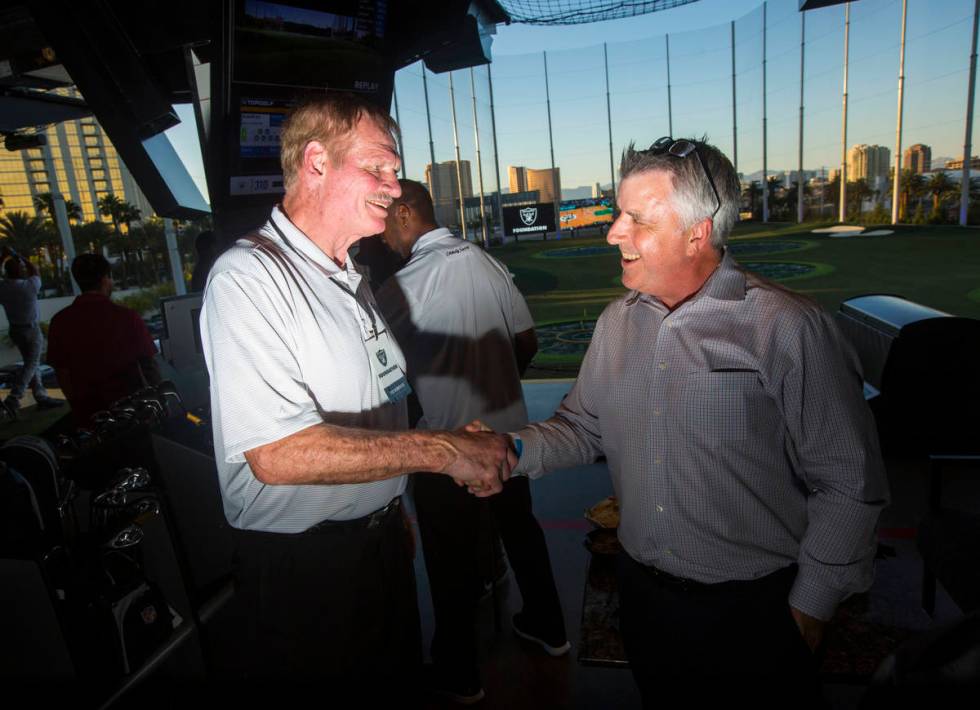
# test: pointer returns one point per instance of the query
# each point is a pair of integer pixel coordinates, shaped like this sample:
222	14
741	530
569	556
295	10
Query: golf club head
132	479
129	536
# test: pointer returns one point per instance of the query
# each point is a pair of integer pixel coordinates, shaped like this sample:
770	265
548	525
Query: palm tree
857	192
752	191
120	212
940	186
911	186
109	206
91	236
44	204
24	232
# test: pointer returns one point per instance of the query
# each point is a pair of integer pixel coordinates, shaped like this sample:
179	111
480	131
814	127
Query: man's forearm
331	454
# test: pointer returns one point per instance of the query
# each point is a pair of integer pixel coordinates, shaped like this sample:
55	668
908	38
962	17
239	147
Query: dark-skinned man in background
467	336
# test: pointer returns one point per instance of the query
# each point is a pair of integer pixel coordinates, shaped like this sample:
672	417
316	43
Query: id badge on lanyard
390	378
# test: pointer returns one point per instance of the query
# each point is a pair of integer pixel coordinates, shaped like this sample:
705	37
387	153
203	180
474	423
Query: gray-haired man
740	448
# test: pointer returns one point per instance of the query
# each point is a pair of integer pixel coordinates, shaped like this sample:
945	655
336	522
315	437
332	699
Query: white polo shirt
287	348
455	311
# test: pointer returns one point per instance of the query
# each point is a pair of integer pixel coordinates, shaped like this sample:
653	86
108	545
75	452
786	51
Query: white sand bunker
840	230
878	232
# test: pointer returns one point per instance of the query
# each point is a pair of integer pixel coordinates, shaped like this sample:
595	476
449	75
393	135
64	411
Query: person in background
206	246
100	351
467	336
18	296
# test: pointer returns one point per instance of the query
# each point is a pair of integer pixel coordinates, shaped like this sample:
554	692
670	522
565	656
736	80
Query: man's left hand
811	628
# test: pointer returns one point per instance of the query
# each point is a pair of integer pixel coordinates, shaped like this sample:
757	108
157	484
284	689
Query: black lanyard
362	305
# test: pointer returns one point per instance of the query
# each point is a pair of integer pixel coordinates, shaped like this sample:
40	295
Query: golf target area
567	338
738	250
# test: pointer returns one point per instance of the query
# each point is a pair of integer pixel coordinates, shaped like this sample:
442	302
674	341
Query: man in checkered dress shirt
740	447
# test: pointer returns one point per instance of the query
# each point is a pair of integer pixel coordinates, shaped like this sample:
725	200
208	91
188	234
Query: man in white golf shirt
308	405
468	336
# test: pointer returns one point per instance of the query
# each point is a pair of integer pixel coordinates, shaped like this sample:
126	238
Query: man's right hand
481	461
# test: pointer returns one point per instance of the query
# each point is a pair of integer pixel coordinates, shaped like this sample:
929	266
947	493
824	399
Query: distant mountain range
579	193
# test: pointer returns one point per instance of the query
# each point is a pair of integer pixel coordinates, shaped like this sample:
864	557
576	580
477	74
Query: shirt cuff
814	599
521	468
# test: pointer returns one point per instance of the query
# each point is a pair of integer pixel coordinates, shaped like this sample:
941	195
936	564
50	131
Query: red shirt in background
100	344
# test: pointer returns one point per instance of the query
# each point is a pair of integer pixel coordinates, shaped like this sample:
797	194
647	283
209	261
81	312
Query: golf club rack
93	571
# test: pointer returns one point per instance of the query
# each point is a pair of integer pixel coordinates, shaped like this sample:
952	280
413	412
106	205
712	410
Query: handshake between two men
484	459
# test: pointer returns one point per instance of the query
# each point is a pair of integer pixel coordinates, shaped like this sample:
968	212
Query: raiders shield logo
382	358
529	215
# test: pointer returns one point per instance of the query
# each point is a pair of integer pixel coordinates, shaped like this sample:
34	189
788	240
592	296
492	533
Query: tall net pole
479	163
612	167
496	158
734	109
433	168
967	141
842	209
551	146
459	169
765	167
670	112
398	120
800	182
897	177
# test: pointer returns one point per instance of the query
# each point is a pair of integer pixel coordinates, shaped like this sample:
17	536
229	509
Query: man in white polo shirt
308	404
468	336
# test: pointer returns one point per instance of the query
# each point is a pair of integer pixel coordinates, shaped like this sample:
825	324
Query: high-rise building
869	162
528	179
917	158
596	191
444	188
78	161
517	177
957	163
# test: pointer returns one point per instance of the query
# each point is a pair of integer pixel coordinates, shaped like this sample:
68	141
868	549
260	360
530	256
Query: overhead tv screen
332	45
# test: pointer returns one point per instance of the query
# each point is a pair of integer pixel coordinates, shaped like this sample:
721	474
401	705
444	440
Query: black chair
949	542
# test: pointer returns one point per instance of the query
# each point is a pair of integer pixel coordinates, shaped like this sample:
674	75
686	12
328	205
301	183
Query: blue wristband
518	445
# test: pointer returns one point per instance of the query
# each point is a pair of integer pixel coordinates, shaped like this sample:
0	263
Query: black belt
691	585
23	325
368	522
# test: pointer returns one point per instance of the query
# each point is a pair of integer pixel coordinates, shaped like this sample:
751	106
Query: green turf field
938	266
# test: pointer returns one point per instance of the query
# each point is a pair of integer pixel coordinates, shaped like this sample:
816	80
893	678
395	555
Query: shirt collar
726	283
430	237
302	243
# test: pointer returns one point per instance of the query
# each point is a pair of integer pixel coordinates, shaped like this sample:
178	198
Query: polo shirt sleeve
836	446
522	315
257	389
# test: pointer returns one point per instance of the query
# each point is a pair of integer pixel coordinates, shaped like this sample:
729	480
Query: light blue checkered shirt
737	437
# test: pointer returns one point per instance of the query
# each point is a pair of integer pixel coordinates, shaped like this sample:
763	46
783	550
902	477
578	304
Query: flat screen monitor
335	45
181	341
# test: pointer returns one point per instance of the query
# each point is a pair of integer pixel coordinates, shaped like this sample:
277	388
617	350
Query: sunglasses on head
682	149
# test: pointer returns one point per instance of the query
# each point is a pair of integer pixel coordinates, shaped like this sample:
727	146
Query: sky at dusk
936	71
